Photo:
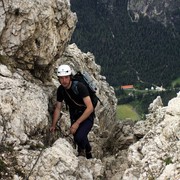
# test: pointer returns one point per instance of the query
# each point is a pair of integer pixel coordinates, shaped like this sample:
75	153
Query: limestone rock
58	162
158	150
162	11
34	33
23	109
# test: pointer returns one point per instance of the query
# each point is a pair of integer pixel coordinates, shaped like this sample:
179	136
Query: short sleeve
60	94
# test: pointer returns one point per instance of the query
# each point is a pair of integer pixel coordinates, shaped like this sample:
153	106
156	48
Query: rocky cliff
163	11
34	41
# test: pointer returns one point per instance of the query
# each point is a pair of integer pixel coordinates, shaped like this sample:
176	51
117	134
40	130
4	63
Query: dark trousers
81	135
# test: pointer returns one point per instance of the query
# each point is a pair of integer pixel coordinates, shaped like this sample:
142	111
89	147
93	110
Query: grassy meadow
126	111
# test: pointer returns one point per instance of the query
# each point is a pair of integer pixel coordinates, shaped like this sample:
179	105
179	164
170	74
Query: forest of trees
129	53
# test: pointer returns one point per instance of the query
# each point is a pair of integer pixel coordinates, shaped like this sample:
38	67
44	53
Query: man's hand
74	127
52	128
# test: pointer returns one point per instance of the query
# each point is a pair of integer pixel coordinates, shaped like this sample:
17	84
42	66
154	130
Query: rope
35	164
81	105
48	143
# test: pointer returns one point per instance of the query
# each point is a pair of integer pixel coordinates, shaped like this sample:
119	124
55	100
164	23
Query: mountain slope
128	52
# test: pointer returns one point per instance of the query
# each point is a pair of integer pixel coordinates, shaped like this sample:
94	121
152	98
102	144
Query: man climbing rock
80	108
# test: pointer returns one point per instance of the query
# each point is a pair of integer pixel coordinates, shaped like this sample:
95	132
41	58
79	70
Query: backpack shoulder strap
80	105
64	92
74	87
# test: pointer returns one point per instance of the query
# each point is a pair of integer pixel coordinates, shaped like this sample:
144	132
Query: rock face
58	162
35	33
164	11
156	155
147	149
34	41
24	107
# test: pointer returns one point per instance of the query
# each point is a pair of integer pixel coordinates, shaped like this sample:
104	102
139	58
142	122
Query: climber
80	109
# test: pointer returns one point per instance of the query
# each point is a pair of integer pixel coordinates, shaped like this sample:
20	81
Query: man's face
65	81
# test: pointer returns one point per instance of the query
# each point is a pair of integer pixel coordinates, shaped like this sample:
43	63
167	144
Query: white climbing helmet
64	70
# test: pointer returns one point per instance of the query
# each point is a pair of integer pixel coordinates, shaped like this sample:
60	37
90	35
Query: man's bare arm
56	115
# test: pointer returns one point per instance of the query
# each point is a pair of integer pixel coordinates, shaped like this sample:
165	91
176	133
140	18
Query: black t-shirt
72	99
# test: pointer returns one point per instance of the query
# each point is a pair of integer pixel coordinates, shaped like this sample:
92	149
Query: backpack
86	79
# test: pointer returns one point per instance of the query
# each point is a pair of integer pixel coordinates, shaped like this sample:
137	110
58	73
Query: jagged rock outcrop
34	34
156	155
148	149
23	107
58	162
163	11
